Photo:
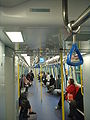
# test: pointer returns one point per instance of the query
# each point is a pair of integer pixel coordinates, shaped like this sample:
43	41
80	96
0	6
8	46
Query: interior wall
2	83
16	87
10	84
86	78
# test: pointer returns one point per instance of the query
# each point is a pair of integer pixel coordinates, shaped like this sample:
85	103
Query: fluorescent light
27	58
24	55
15	36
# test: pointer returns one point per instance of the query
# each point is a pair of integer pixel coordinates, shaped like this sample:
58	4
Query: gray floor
45	108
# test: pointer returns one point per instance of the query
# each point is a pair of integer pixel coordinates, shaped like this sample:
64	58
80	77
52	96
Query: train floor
45	106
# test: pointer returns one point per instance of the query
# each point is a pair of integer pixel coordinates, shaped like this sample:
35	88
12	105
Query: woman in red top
71	89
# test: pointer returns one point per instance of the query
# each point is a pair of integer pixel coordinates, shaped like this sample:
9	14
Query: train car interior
44	44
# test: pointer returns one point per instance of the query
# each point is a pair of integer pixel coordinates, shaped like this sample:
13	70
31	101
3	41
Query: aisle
45	109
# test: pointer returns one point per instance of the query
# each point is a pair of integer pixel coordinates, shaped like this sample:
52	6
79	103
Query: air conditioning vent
39	10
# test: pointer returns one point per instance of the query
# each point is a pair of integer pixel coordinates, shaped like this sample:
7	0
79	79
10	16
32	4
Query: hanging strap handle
74	49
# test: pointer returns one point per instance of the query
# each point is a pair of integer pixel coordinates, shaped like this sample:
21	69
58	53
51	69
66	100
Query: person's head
23	75
70	81
51	76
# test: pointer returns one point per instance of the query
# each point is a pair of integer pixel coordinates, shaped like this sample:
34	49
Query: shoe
57	107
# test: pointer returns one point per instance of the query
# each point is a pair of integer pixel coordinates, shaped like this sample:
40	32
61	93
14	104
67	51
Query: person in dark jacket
52	80
52	84
25	107
76	103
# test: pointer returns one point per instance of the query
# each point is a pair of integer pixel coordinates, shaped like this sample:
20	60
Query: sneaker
57	107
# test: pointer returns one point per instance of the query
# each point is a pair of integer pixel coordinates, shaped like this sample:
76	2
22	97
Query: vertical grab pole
36	78
63	116
70	72
81	80
81	76
41	81
18	83
41	74
56	76
34	73
23	74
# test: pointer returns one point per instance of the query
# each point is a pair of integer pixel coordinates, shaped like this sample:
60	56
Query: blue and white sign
41	60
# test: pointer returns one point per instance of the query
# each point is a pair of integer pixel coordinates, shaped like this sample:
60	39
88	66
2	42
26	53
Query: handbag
69	97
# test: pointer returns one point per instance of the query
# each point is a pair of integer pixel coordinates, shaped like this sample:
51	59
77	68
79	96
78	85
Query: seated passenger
26	83
25	107
31	75
76	103
39	76
48	79
44	78
52	80
28	78
71	89
52	83
21	83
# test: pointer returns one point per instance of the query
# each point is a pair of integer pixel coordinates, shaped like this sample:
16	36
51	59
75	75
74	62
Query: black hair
72	81
51	76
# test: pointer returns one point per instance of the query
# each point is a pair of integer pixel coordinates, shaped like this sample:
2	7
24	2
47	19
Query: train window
58	69
70	72
77	72
50	69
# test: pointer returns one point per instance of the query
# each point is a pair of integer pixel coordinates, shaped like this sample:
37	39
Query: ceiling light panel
15	36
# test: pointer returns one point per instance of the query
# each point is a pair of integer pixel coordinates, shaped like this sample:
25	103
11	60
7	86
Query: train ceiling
40	22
